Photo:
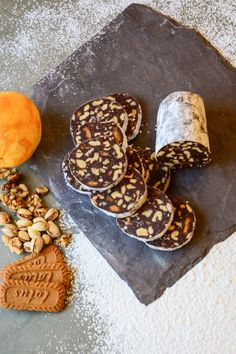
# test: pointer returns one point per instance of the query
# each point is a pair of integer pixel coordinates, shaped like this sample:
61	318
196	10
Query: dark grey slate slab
148	55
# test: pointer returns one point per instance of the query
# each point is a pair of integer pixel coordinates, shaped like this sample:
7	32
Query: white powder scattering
46	34
38	35
195	315
181	321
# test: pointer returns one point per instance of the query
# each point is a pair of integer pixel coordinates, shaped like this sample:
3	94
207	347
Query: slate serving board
148	55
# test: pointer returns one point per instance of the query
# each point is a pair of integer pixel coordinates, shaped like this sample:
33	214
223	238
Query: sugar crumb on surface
105	317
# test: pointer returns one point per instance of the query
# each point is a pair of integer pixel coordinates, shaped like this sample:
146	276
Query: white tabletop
196	315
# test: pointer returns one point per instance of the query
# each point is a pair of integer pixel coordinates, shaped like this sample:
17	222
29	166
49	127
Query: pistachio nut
40	226
23	236
52	214
24	213
4	218
23	223
53	230
36	245
38	218
46	239
10	230
27	246
16	242
33	233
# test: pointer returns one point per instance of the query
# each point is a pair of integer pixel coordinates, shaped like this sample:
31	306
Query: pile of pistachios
34	225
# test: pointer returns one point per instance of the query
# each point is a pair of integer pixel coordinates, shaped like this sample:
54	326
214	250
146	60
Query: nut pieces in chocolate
129	182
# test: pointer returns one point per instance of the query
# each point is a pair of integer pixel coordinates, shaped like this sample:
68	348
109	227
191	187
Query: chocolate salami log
152	220
181	135
180	231
99	111
134	111
124	199
98	164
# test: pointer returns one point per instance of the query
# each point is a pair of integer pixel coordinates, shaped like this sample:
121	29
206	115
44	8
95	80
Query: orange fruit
20	129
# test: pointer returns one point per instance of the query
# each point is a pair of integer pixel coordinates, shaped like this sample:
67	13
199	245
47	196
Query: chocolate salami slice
181	135
101	110
97	130
134	159
98	164
160	176
125	198
181	229
148	159
152	220
134	111
70	180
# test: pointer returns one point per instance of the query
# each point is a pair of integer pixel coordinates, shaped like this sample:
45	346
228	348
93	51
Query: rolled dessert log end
181	134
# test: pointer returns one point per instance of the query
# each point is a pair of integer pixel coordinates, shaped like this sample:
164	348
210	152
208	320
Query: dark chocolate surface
132	191
134	111
151	220
101	110
181	229
147	55
134	159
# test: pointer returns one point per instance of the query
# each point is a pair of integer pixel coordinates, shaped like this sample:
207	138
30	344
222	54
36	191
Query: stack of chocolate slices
129	183
36	282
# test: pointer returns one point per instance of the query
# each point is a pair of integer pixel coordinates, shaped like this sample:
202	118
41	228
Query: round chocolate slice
133	110
125	198
160	176
148	159
101	110
100	130
134	159
98	164
70	180
180	231
152	220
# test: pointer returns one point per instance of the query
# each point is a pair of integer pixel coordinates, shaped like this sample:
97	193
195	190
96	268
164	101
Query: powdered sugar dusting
104	316
47	33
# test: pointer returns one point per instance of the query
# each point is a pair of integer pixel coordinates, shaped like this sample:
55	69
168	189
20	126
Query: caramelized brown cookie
49	255
32	296
51	272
